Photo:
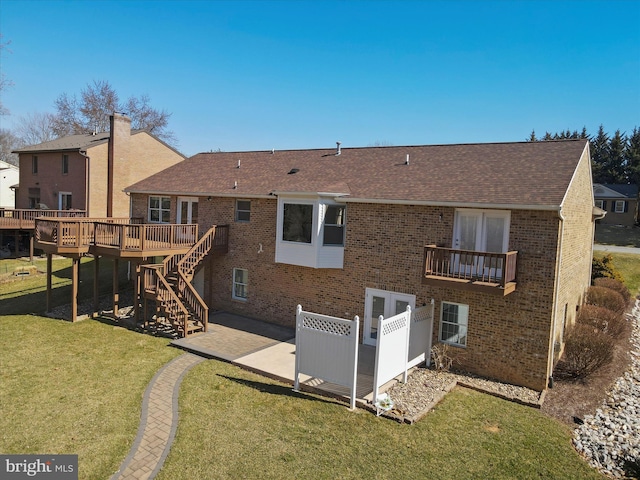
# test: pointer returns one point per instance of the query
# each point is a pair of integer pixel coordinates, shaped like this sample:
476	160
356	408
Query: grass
617	235
22	295
628	265
235	424
74	388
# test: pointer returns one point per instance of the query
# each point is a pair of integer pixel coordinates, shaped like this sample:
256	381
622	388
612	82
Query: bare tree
99	100
8	143
4	81
35	128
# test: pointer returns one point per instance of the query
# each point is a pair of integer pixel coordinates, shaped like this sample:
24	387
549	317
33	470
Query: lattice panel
397	324
326	325
423	315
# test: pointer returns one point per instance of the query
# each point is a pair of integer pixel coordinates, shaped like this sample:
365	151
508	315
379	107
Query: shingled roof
526	174
73	143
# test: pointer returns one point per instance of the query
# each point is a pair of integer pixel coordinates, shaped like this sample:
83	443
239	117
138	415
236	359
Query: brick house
498	235
620	201
89	172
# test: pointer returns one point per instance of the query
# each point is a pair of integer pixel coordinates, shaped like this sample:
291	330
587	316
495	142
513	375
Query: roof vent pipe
238	164
406	162
338	151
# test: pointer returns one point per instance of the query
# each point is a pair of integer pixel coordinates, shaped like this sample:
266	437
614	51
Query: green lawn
629	267
617	235
235	424
74	388
22	295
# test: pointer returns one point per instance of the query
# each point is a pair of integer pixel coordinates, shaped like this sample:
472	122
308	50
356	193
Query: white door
480	231
385	303
187	214
187	210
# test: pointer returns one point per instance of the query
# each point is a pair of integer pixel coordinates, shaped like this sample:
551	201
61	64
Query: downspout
86	180
556	296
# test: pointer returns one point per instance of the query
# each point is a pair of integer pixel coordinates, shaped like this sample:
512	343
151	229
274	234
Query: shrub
611	323
586	350
607	298
440	356
614	284
604	267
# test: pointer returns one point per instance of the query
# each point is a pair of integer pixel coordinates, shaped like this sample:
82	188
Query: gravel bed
610	439
425	387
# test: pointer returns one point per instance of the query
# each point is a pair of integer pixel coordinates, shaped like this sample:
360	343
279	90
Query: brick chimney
118	164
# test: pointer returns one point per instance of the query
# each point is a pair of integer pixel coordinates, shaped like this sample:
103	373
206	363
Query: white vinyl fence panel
392	349
327	348
420	335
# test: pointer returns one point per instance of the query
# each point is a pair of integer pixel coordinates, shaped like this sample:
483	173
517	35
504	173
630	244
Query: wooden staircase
177	301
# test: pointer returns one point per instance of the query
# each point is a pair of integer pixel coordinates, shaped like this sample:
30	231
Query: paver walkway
158	423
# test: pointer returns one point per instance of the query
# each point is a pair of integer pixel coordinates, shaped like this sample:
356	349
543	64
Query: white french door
385	303
480	231
187	213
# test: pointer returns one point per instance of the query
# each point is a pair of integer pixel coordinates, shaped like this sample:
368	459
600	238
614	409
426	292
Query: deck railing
145	237
499	268
24	218
76	232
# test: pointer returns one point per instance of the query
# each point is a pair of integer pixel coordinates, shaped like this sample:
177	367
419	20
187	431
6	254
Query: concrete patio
269	350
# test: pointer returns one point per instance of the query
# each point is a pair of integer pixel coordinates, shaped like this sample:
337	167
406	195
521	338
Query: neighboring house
499	235
89	172
620	201
9	175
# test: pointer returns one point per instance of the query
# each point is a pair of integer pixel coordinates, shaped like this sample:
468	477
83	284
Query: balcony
25	219
493	273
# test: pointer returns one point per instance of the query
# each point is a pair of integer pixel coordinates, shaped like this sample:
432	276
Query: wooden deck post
96	287
31	246
136	295
116	294
75	278
49	267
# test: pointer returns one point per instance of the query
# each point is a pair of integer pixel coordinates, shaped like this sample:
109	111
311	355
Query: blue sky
256	75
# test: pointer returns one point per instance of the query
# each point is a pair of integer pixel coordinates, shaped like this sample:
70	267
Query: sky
257	75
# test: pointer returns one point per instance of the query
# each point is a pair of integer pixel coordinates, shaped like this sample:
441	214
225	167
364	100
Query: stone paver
158	422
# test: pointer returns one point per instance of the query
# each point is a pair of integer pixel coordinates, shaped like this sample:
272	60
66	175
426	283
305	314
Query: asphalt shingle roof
525	173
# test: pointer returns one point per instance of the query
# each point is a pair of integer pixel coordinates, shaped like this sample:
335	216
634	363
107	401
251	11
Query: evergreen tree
614	168
599	155
632	155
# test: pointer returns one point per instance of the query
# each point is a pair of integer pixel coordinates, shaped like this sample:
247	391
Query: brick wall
508	336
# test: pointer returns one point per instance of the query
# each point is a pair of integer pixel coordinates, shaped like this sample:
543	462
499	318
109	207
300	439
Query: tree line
614	158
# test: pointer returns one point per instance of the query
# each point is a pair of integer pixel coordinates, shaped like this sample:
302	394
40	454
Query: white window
600	204
297	223
243	210
240	280
454	318
159	209
620	204
334	221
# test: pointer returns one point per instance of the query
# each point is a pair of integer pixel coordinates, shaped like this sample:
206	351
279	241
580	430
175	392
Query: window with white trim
620	204
334	222
454	318
297	223
240	281
159	209
243	210
600	204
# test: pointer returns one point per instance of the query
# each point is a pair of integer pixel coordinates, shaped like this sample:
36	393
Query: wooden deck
118	237
25	219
